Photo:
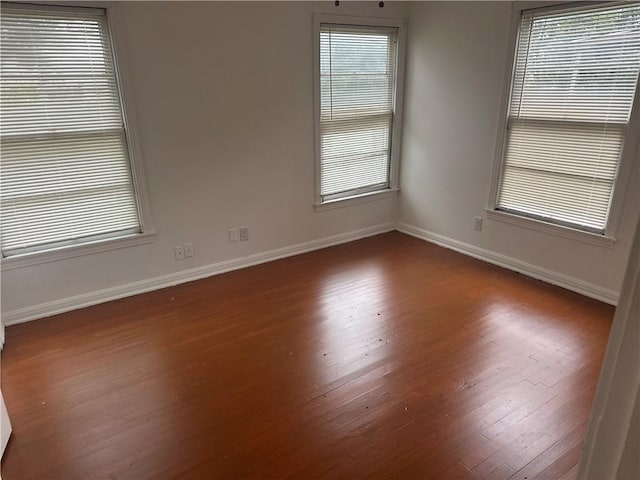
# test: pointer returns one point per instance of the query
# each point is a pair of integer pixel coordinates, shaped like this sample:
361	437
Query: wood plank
384	358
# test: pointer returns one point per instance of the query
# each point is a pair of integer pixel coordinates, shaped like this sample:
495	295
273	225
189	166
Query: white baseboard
93	298
539	273
79	301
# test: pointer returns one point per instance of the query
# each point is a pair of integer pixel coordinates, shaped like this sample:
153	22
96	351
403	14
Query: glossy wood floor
383	358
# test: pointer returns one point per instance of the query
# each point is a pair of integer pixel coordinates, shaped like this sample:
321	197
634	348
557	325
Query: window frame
625	165
116	37
396	129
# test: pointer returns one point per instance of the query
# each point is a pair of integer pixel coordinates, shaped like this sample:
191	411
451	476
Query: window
66	175
358	67
572	91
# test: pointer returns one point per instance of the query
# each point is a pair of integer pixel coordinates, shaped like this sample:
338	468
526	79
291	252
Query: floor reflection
353	325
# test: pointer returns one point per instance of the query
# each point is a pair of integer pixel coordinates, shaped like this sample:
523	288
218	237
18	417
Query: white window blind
357	94
573	86
65	175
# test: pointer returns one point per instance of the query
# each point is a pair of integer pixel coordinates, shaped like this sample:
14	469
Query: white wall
456	62
223	95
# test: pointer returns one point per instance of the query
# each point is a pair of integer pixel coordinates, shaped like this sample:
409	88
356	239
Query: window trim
630	146
396	130
117	41
356	199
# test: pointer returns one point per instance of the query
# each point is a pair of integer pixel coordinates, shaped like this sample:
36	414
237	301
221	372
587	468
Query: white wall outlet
477	224
233	235
188	250
244	234
178	252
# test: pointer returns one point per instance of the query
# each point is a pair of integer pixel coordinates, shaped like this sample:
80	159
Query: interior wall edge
554	278
155	283
611	423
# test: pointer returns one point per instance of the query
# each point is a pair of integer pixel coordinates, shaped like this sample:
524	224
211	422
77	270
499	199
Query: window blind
357	89
65	175
573	86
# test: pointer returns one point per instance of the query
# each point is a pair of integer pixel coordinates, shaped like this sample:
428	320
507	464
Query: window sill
553	229
356	199
70	251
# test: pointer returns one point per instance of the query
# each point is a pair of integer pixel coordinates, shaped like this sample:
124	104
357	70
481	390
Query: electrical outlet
178	252
477	224
233	235
188	250
244	234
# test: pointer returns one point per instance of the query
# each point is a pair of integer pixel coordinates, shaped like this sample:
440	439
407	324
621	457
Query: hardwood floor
384	358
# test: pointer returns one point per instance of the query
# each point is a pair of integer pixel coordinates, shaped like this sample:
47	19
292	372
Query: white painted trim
45	6
117	42
505	99
631	143
396	127
142	286
5	426
78	250
398	106
552	228
119	49
357	199
319	18
539	273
